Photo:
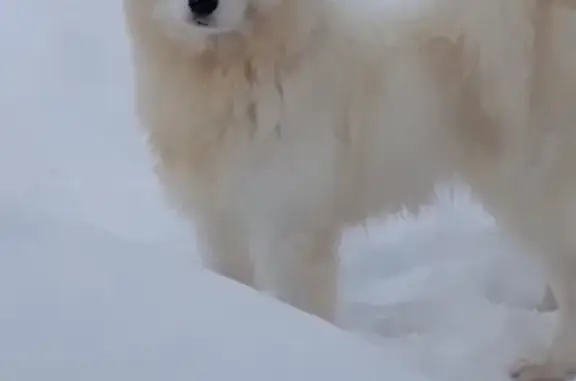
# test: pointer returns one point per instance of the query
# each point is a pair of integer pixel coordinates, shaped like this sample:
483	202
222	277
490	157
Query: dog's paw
526	370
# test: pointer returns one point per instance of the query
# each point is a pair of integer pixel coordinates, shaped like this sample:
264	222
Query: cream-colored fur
309	116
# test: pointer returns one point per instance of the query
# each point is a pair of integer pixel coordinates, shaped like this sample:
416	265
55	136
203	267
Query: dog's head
195	22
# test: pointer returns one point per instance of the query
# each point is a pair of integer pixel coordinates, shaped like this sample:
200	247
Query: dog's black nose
202	8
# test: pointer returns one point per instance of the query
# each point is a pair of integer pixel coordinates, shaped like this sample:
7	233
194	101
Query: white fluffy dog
277	123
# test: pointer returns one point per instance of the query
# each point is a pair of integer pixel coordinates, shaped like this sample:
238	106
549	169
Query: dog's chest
289	104
288	151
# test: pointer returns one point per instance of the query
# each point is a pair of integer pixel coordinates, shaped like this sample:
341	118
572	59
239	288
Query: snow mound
83	304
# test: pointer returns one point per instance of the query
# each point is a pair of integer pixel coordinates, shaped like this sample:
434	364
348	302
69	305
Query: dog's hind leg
560	361
547	224
299	267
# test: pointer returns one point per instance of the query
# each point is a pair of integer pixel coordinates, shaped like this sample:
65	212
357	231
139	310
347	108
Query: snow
99	280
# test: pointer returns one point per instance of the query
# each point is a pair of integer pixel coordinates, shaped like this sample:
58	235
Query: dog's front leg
224	247
299	266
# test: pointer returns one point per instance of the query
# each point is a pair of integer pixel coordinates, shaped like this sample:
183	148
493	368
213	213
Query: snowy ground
98	281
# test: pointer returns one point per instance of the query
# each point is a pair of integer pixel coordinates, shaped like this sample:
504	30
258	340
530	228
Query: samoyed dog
278	123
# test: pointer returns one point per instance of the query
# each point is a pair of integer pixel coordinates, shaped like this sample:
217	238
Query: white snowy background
99	281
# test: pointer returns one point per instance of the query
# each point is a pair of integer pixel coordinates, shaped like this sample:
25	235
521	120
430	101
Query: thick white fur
298	118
